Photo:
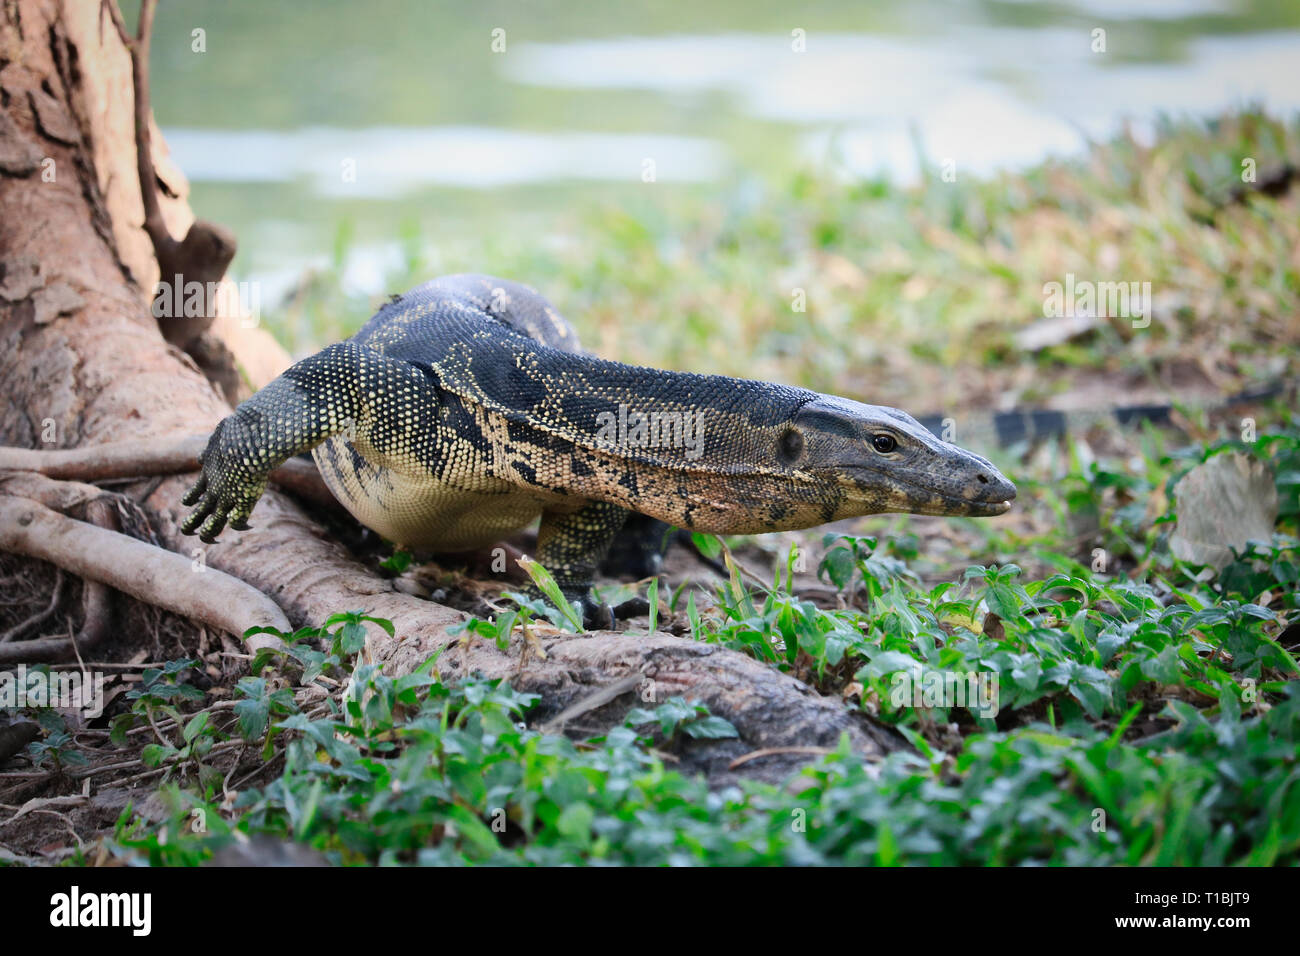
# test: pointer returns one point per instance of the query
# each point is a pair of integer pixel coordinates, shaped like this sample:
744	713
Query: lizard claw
212	527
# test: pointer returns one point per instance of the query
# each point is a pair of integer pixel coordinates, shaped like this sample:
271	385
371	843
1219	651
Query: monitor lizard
465	409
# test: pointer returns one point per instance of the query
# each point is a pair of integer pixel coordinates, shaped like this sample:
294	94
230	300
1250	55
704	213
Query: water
988	99
389	162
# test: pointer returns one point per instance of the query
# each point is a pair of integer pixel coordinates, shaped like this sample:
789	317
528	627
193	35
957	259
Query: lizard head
883	459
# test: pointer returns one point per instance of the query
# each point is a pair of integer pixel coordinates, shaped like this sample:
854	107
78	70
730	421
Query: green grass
428	787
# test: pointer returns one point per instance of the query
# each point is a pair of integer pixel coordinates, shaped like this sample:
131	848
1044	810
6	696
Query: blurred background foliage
777	173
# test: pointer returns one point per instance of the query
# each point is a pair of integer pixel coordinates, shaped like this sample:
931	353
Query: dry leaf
1222	504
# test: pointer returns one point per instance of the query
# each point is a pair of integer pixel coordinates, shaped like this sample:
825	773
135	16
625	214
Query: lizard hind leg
572	545
638	551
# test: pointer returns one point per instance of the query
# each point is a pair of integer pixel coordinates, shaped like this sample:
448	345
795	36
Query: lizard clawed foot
632	607
596	614
226	490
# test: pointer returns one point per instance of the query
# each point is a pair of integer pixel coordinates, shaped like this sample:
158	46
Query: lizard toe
212	527
596	615
195	491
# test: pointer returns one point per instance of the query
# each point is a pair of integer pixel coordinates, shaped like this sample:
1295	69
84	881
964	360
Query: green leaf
253	716
1002	601
153	755
352	638
1163	667
710	728
547	585
652	597
397	562
195	725
574	823
838	565
709	545
693	615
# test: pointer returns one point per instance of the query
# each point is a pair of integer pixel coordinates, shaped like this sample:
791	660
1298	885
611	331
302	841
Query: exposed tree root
147	573
96	598
156	456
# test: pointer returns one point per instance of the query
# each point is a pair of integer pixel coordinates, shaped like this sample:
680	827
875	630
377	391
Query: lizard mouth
937	503
931	501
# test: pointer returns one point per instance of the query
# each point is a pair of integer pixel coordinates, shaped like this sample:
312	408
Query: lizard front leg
337	389
572	545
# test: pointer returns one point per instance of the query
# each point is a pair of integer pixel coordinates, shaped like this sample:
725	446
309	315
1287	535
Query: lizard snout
990	484
979	486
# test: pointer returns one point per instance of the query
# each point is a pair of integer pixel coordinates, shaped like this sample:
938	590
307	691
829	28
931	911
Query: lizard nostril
984	479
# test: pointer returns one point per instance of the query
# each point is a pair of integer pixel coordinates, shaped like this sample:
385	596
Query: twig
115	15
225	783
109	666
36	804
22	627
148	712
164	245
593	701
104	768
224	747
775	751
9	856
251	775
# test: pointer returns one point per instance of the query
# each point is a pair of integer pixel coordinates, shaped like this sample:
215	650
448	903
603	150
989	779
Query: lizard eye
790	447
883	443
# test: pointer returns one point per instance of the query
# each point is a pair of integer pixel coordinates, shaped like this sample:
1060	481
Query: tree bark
82	363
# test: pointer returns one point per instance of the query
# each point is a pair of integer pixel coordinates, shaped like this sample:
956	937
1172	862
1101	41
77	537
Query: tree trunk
82	363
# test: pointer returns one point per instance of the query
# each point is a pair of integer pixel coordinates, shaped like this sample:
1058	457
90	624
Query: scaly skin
465	409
